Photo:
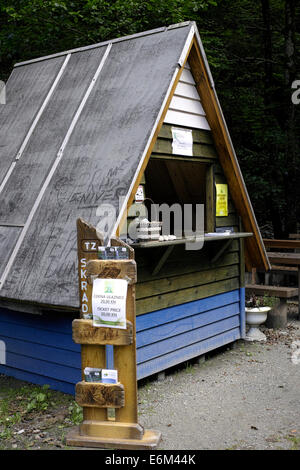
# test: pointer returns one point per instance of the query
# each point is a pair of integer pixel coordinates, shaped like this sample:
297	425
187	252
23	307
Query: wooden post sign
97	428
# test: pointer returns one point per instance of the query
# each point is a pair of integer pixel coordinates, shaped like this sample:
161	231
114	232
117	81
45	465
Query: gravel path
245	398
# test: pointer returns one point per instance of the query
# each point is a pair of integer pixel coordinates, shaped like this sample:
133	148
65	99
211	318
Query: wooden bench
288	269
274	291
294	236
277	317
282	245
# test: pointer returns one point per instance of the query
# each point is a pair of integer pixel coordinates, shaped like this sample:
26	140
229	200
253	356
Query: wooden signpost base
97	428
149	441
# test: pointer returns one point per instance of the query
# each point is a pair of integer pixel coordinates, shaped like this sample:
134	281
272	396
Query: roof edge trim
203	54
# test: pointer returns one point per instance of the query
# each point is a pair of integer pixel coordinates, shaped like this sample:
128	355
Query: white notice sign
109	303
182	141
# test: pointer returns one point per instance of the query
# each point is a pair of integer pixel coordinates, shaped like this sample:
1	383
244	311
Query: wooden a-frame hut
81	128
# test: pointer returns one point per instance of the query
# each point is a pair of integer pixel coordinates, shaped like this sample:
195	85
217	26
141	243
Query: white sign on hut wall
109	303
182	143
139	195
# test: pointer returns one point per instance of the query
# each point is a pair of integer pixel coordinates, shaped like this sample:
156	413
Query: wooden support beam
162	260
242	255
210	200
222	249
160	156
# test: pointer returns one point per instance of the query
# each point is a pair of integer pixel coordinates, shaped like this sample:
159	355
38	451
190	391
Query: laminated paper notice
182	141
221	200
109	303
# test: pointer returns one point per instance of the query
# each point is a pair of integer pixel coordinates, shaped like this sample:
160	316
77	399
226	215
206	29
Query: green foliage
75	413
38	27
269	301
252	301
39	399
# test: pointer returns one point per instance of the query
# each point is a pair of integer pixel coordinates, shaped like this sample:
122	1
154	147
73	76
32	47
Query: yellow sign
221	200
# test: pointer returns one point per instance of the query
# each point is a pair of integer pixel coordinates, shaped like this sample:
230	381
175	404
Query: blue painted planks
166	315
176	357
43	368
39	380
40	349
242	312
38	336
186	324
45	353
51	321
173	335
179	341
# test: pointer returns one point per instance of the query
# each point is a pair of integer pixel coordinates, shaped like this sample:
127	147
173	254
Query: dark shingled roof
45	191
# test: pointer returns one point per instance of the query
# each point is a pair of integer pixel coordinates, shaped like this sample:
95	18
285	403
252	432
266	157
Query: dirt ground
241	398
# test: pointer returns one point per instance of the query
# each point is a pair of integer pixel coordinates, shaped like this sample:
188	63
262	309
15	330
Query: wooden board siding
186	276
173	335
203	151
185	108
164	147
39	348
203	147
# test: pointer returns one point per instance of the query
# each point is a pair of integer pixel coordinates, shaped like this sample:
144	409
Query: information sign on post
107	317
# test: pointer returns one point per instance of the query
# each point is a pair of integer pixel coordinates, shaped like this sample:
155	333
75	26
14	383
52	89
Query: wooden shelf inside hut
180	241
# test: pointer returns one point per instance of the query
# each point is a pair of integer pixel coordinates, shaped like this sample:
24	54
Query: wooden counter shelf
181	241
224	239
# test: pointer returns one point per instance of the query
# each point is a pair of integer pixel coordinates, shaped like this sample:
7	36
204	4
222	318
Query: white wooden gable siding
185	108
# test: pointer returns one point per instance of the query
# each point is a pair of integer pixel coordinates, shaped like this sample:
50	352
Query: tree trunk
272	203
291	144
267	40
